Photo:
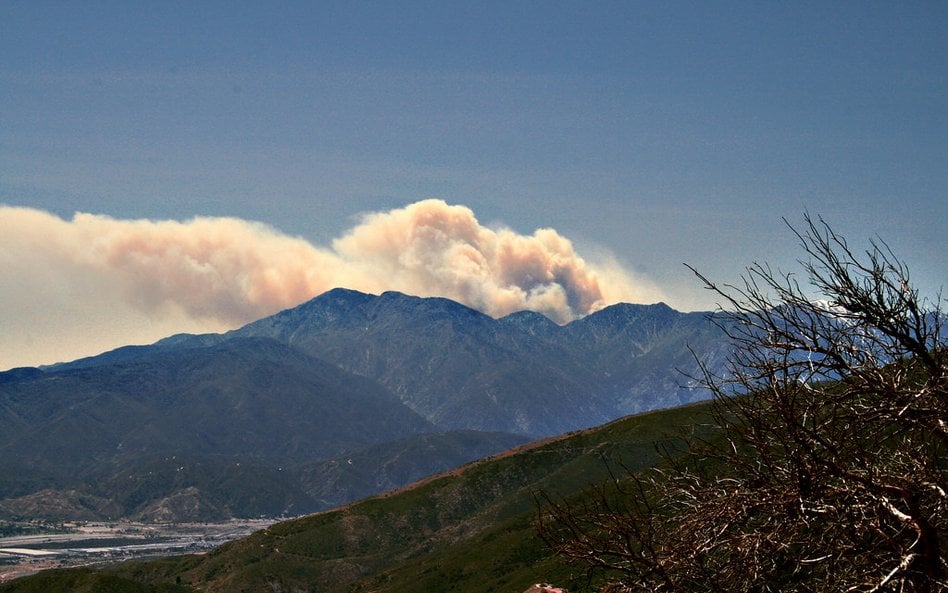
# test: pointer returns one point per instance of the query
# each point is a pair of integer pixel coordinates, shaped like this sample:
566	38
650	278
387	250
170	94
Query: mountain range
341	397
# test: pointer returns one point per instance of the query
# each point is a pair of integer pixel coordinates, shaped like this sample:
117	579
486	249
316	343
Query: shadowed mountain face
248	397
283	397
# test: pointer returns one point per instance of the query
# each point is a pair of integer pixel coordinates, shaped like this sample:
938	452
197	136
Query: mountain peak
344	297
531	322
430	307
343	292
628	313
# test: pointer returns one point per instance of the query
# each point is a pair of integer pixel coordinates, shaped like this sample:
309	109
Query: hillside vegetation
831	469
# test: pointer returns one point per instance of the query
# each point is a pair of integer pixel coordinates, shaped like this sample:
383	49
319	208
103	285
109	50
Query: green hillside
470	530
84	580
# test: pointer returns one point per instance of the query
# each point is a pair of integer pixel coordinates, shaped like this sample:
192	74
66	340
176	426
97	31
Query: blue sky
657	133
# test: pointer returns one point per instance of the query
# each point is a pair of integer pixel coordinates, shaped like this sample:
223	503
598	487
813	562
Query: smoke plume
432	248
213	273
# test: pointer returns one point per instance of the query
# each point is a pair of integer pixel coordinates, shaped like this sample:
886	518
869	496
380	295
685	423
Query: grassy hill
469	530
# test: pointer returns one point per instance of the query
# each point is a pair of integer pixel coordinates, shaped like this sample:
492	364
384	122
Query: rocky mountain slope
461	369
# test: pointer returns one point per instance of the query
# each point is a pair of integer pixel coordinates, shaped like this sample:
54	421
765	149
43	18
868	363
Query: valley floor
102	543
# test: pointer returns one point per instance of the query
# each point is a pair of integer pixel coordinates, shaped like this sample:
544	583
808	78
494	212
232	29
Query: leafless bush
828	470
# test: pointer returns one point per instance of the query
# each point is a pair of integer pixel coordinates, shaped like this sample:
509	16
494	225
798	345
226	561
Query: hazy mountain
206	433
269	406
250	397
448	362
461	369
523	373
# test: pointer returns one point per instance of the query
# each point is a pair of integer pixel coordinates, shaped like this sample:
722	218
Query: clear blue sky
662	132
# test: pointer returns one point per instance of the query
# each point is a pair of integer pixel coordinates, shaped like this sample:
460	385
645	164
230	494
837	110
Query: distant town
40	546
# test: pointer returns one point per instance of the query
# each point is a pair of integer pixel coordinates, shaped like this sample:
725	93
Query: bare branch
831	462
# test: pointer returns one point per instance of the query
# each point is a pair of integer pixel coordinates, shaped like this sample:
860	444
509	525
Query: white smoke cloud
432	248
77	287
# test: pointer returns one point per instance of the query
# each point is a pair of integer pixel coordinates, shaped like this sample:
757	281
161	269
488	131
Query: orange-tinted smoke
223	272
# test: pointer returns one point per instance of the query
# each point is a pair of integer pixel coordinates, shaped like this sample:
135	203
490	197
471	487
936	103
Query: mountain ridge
343	371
